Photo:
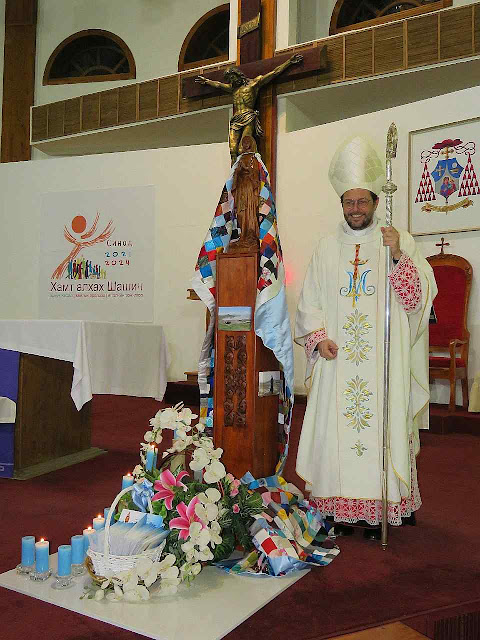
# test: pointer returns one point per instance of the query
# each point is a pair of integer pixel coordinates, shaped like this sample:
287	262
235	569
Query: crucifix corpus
245	120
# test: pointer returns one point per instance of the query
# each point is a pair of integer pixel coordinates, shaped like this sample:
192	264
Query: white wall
154	30
188	184
309	208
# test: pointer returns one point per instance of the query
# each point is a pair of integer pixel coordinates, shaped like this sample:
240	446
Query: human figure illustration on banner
79	224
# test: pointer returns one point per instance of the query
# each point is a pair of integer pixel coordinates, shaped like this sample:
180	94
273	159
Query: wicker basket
104	564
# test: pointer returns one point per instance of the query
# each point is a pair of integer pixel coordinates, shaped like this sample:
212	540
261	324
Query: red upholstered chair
449	335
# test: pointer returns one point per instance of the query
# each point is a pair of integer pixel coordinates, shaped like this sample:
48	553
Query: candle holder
40	576
24	570
63	582
78	569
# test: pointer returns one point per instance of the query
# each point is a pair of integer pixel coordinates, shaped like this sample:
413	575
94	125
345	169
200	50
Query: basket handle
106	545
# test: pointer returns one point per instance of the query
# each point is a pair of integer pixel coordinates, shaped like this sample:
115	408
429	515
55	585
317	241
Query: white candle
86	537
98	522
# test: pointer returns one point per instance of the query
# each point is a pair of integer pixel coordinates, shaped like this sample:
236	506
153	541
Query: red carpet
428	567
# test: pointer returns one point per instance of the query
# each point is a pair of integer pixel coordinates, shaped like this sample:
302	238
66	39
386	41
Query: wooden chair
449	335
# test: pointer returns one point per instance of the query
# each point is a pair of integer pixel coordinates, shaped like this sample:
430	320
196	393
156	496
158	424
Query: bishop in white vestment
340	321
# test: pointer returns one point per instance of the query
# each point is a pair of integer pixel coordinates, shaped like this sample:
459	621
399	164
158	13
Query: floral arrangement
209	513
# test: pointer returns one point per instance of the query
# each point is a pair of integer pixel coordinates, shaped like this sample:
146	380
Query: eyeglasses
361	204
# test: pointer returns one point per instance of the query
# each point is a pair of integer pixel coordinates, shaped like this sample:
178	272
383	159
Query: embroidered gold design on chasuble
357	414
357	347
357	285
359	448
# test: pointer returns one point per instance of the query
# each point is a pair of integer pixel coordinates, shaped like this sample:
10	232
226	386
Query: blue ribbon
141	493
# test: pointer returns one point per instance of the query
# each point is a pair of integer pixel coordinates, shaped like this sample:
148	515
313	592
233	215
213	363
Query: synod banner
97	255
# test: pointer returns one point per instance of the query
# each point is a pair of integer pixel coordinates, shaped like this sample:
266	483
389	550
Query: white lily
206	512
186	416
214	472
99	594
200	459
210	496
215	537
167	418
148	436
136	593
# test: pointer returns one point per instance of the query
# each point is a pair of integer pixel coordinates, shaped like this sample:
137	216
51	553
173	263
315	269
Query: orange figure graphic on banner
79	224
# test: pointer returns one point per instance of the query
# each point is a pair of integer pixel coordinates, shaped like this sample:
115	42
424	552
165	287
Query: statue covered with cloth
340	323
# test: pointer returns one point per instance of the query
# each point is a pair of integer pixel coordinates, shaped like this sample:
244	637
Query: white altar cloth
211	607
116	358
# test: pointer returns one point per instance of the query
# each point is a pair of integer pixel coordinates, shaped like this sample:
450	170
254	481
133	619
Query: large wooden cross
255	56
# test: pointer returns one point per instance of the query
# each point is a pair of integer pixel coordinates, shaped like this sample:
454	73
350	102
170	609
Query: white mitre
356	165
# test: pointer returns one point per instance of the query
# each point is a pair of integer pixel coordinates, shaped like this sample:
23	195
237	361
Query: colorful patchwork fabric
272	323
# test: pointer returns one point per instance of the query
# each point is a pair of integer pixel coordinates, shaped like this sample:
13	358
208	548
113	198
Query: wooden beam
314	61
18	79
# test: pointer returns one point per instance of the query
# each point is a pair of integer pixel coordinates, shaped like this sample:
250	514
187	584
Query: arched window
207	40
93	55
348	14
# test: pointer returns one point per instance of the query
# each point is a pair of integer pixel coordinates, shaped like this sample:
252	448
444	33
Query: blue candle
78	550
127	481
155	458
64	560
106	511
28	551
42	550
150	458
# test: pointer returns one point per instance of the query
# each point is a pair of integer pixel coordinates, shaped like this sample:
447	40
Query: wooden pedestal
246	425
49	431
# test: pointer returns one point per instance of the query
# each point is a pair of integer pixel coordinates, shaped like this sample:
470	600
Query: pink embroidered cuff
405	282
311	342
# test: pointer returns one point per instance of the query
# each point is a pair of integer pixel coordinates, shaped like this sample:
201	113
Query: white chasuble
340	450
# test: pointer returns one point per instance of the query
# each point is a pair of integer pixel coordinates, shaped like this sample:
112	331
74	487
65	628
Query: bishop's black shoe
343	530
411	520
372	533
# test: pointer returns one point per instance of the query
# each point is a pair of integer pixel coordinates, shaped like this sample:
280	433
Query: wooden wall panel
334	72
148	100
40	123
72	116
422	41
127	104
456	33
358	54
91	112
109	108
476	27
388	48
56	119
186	105
168	96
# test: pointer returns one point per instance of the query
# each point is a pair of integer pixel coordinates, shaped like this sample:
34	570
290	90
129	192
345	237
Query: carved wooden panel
91	112
109	108
168	96
235	381
388	48
72	116
148	100
358	54
40	123
422	39
127	104
56	114
456	33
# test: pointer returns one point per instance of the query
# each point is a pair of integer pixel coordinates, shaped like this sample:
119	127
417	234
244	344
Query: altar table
107	358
